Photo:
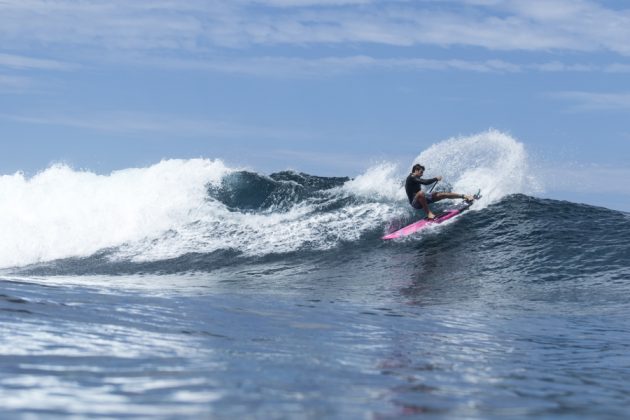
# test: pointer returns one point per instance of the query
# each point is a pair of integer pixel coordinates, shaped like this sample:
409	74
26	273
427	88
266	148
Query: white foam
382	181
491	161
62	213
263	233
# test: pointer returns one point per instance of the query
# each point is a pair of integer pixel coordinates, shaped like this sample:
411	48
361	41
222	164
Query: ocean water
189	288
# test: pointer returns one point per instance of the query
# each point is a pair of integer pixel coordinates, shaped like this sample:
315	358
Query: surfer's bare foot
430	216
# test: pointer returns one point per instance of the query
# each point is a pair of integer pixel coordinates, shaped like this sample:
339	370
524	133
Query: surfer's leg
442	195
420	198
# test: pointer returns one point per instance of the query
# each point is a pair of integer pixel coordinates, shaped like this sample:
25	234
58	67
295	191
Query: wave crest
201	206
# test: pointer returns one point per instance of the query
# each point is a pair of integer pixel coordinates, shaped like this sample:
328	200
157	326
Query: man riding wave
421	200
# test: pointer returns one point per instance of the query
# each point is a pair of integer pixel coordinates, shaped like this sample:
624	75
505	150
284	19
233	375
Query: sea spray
491	161
61	212
381	181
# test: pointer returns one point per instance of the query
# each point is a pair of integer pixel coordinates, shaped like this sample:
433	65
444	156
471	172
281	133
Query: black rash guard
413	184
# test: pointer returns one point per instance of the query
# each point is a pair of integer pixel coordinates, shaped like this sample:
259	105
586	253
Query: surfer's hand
439	178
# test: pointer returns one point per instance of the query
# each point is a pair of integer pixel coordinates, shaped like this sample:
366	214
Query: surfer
421	200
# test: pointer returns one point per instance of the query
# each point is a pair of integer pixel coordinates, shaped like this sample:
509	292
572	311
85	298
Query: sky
327	87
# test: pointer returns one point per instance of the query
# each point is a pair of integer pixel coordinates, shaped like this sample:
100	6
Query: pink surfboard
424	223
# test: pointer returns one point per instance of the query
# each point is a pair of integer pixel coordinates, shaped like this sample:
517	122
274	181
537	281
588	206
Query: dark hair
416	167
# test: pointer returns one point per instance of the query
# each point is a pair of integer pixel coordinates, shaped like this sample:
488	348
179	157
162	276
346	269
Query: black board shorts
416	205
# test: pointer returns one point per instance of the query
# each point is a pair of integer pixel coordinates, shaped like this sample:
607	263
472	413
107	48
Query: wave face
192	215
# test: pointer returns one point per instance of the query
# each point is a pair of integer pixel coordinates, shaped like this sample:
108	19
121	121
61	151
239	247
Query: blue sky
323	86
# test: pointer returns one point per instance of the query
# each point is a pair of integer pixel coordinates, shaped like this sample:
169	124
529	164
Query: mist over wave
201	206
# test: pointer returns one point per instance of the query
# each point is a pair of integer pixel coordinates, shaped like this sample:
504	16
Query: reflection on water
414	328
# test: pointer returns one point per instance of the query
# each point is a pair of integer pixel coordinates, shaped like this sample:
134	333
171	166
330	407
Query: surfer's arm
427	181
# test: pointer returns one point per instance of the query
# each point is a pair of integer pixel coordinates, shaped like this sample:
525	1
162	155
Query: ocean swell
200	206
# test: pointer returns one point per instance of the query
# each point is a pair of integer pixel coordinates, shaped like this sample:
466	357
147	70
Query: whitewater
191	288
180	206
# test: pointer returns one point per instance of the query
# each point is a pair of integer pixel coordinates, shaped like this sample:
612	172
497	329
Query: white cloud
138	123
221	35
299	67
22	62
194	25
283	67
137	25
16	77
306	3
594	101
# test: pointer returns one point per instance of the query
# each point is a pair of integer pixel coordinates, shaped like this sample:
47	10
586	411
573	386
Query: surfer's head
417	167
